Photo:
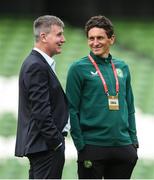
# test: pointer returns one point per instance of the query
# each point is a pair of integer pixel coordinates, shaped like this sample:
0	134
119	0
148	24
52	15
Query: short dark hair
100	22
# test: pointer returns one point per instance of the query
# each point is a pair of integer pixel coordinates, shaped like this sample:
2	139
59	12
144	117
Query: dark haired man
101	107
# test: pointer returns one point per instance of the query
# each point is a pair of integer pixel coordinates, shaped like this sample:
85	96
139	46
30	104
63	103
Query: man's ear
43	37
112	39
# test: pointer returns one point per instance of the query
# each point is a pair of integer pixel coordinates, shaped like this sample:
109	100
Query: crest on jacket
120	73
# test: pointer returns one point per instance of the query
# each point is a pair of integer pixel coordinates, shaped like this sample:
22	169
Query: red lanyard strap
101	75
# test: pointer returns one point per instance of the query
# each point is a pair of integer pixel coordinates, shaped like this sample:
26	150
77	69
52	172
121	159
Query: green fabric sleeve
131	109
73	92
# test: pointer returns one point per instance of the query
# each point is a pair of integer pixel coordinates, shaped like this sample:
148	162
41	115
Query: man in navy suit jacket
43	111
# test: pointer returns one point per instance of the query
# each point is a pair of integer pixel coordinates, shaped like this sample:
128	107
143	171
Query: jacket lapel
50	69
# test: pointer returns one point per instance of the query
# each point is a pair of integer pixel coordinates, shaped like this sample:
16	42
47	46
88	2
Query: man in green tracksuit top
102	108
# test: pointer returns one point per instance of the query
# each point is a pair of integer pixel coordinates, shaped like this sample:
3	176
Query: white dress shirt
49	60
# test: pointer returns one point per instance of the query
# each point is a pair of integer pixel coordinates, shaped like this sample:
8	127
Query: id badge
113	102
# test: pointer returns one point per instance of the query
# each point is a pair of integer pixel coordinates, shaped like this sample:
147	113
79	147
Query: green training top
91	120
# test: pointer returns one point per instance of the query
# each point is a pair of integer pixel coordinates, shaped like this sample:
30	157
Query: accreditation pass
113	102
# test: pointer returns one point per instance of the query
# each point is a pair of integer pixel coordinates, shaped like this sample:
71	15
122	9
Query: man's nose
96	41
63	39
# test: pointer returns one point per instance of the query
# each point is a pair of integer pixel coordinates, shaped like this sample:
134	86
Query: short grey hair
44	23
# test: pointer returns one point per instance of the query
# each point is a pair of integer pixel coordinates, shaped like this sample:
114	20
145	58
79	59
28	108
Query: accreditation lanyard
112	100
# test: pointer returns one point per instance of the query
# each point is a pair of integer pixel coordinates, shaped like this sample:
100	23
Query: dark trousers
47	164
118	164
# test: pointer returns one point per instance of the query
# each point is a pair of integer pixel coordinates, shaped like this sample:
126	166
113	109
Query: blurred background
134	29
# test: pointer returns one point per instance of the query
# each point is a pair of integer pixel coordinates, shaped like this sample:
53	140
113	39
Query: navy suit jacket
42	111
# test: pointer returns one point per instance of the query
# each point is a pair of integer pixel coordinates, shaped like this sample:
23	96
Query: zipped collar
101	60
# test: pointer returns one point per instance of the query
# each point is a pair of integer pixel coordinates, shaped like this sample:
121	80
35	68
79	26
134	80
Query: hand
135	146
